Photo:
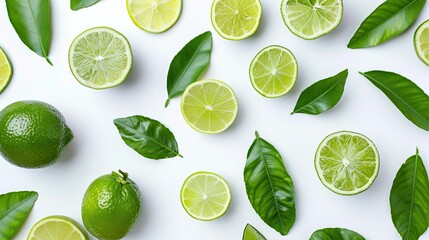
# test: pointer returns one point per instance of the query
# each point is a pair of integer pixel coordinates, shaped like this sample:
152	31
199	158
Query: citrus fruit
347	163
421	42
100	58
5	70
236	19
209	106
33	134
155	16
205	196
273	71
56	228
251	233
111	206
311	19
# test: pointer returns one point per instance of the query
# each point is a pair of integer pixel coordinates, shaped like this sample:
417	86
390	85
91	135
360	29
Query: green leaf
322	95
335	234
79	4
188	65
148	137
409	98
409	199
251	233
269	187
32	22
14	210
387	21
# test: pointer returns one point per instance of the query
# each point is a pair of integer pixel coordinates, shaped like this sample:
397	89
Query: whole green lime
111	206
33	134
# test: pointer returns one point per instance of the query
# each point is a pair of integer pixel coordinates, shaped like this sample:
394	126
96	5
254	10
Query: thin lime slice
273	71
100	58
205	196
311	19
155	16
56	228
5	70
347	163
209	106
421	42
236	19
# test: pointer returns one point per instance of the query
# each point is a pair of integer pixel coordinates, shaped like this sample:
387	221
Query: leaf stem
167	102
49	61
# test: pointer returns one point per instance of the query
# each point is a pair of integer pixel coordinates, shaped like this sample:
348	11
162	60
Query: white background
97	148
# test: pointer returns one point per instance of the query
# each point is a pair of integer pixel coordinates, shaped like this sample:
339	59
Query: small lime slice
5	70
251	233
236	19
421	42
273	71
155	16
56	228
311	19
100	58
205	196
347	163
209	106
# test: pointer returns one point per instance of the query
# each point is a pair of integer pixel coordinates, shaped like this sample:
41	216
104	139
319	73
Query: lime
56	228
5	70
347	163
100	58
111	206
33	134
273	71
251	233
155	16
310	19
421	42
236	19
209	106
205	196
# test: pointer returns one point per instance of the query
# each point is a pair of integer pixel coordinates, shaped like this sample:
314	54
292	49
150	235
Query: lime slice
155	16
205	196
347	163
5	70
421	42
236	19
209	106
311	19
56	228
100	58
273	71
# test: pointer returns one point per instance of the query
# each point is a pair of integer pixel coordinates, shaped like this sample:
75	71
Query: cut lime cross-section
5	70
421	42
347	163
56	228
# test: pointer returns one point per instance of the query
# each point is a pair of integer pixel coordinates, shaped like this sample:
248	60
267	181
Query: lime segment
421	42
56	228
5	70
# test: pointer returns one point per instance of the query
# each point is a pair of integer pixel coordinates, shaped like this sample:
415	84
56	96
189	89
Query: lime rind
421	42
7	67
58	219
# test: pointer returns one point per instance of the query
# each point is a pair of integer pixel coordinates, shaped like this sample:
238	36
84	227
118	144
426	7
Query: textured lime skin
33	134
111	206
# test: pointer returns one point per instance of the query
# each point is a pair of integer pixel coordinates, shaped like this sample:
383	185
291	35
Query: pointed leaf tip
256	134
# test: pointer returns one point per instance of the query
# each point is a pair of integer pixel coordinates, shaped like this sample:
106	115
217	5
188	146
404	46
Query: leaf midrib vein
28	199
412	198
37	29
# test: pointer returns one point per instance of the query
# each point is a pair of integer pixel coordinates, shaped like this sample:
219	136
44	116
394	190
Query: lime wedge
347	163
421	42
273	71
155	16
209	106
100	58
236	19
311	19
251	233
56	228
205	196
5	70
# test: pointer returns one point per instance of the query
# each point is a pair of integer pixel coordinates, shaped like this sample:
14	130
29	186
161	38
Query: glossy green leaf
188	65
14	210
251	233
148	137
335	234
409	199
322	95
79	4
409	98
32	23
269	187
387	21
